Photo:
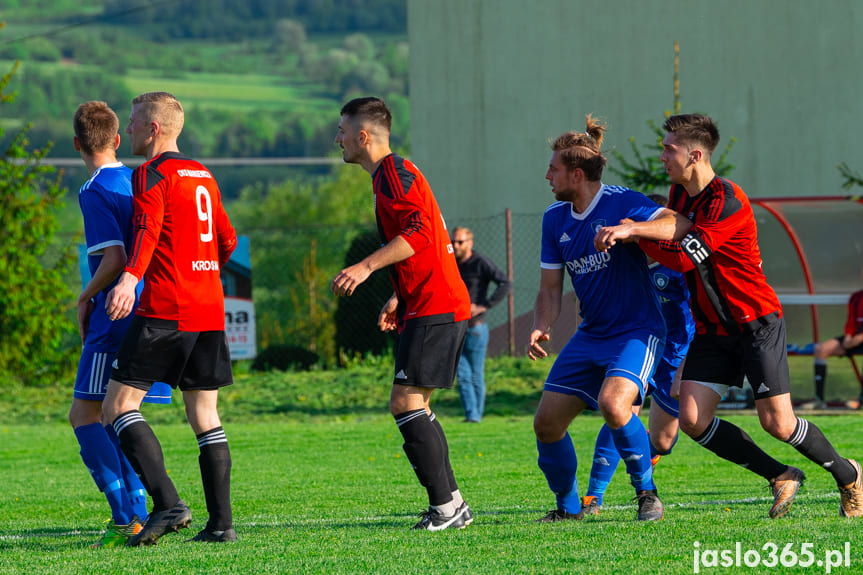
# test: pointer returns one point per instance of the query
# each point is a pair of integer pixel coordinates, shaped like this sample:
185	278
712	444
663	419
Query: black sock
808	440
425	452
144	453
820	378
215	463
453	486
732	443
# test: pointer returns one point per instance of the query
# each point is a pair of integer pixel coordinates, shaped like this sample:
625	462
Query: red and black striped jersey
182	238
720	259
428	283
854	323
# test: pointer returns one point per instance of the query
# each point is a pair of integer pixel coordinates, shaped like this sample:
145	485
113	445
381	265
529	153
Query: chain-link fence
292	270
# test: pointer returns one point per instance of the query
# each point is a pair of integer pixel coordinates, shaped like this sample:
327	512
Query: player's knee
615	414
547	431
690	425
780	428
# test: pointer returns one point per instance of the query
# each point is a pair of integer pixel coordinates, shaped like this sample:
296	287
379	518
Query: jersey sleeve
550	257
414	220
101	227
148	190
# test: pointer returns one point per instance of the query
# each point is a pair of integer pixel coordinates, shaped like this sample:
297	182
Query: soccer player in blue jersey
609	361
663	422
106	204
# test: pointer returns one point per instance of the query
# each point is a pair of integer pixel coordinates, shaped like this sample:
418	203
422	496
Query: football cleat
207	536
465	510
434	520
118	535
851	496
160	522
590	505
784	492
650	508
556	515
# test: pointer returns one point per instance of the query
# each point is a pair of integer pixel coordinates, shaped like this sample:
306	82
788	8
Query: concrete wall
493	80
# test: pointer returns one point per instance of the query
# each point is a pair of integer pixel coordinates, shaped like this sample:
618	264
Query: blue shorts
660	386
586	361
94	371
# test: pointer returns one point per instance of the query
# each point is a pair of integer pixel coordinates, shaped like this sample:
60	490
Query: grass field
338	496
321	485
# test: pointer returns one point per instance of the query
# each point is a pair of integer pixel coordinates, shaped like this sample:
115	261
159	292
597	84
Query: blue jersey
106	203
613	288
674	297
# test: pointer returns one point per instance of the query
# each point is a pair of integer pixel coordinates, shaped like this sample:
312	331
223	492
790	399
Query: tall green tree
33	293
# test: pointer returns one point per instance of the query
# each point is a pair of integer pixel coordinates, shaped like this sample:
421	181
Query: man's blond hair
163	108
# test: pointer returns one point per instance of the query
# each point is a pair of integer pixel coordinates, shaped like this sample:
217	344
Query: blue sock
605	460
99	456
634	448
134	488
558	462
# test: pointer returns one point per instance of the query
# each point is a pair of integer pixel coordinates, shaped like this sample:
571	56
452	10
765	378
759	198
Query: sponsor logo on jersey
205	265
595	225
194	174
564	238
589	264
660	281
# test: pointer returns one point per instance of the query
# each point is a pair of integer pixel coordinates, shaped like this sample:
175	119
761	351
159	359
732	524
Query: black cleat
468	516
177	517
434	520
556	515
206	536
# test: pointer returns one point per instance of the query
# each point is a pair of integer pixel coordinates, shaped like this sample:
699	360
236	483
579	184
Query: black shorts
761	355
854	350
428	353
155	350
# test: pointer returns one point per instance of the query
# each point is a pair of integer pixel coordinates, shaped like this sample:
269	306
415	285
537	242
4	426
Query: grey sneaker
177	517
650	508
590	505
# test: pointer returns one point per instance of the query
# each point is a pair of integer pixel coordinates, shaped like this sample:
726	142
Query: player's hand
534	350
347	280
85	308
121	298
388	320
607	236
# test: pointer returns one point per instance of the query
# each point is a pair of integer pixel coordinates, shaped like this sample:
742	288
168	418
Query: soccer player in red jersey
849	343
739	325
430	306
182	238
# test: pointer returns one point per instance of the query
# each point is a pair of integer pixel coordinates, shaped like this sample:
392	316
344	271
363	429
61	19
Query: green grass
338	496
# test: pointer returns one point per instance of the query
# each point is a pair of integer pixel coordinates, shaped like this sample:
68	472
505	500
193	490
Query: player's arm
113	262
149	204
668	225
545	310
226	235
347	280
